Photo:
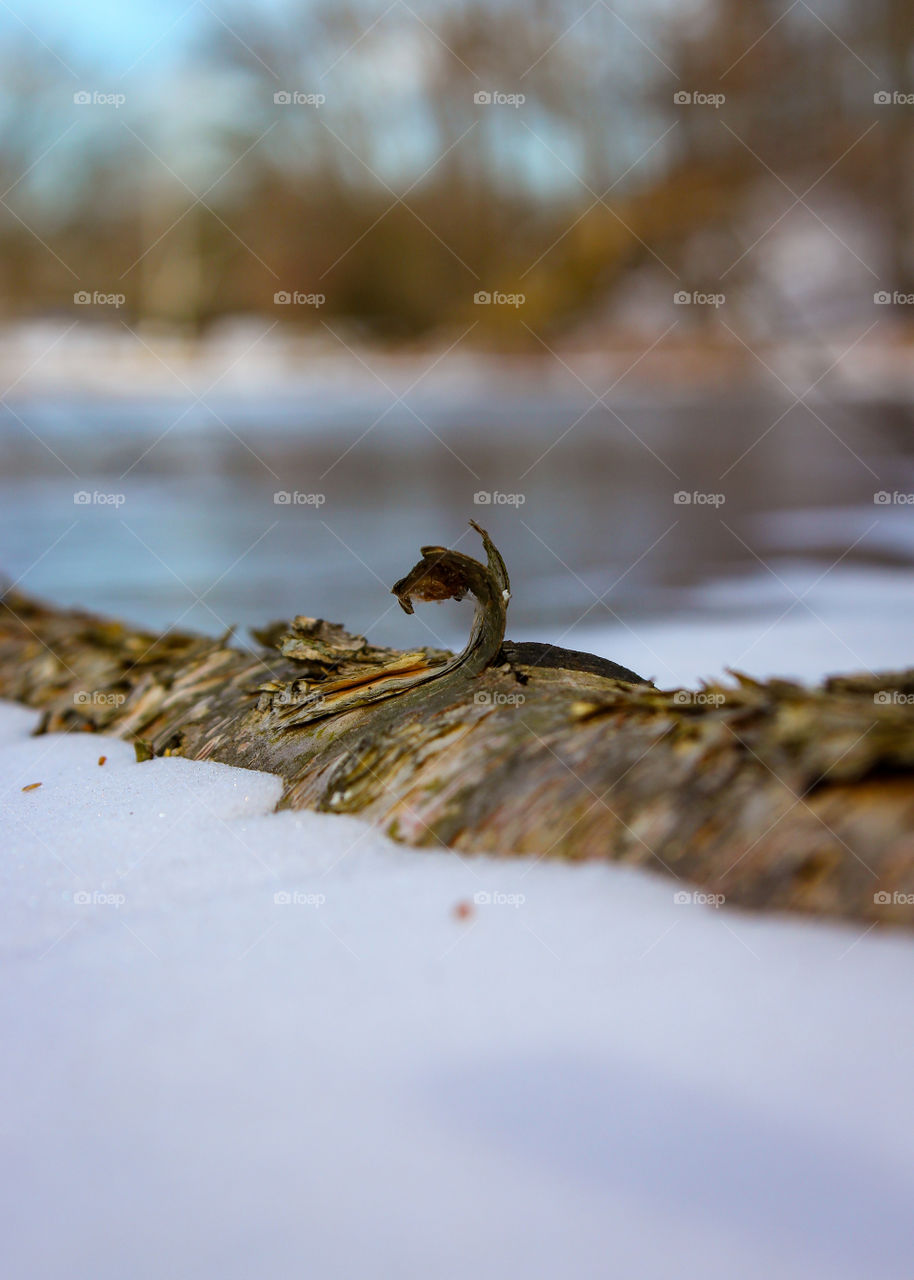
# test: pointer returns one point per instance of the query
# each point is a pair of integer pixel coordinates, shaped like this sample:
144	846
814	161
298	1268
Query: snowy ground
851	621
241	1043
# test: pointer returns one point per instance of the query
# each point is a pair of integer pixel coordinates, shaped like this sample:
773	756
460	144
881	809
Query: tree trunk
771	794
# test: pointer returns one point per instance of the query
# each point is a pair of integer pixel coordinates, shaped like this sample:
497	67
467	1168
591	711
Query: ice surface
245	1043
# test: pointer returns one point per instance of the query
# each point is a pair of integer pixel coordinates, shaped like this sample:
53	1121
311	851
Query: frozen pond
782	561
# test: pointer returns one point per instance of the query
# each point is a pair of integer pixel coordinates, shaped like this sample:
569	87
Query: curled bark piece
373	675
767	793
448	575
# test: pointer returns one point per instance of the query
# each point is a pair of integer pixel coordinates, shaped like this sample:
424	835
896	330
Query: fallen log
771	794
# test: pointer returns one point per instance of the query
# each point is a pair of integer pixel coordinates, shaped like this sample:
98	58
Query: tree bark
771	794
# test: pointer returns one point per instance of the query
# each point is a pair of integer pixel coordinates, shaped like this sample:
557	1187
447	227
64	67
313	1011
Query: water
798	569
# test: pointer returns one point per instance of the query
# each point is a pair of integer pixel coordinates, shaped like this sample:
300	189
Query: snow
800	623
248	1043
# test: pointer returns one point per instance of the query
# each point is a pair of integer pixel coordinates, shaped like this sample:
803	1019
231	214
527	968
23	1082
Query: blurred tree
403	195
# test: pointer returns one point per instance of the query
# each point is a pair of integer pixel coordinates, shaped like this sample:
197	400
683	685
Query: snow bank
245	1043
804	624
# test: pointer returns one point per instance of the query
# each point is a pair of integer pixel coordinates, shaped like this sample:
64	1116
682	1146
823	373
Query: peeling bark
771	793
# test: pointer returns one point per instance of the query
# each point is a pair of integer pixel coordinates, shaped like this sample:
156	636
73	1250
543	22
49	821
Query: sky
103	30
113	33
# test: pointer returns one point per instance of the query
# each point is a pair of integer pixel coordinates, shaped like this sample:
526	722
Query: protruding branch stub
367	675
443	574
440	575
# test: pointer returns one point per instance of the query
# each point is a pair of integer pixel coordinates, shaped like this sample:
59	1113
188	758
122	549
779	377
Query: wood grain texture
773	794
